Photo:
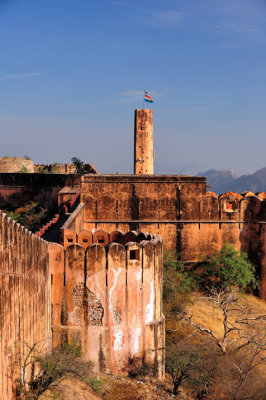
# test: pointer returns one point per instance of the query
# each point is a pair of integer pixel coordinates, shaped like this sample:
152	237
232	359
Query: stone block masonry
25	317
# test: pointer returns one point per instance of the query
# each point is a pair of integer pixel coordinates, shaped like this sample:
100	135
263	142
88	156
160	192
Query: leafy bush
226	269
81	167
32	216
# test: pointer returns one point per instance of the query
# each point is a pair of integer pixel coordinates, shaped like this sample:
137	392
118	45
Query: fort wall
146	203
17	189
191	221
25	299
107	296
76	221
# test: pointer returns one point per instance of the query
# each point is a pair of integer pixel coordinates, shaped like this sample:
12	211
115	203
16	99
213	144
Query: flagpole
143	98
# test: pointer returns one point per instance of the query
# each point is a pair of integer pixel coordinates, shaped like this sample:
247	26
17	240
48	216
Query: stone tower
143	141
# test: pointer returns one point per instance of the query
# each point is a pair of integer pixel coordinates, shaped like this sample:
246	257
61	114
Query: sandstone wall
25	298
107	297
76	221
144	203
191	221
19	189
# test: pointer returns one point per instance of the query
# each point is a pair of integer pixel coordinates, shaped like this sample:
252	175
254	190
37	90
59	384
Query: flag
148	98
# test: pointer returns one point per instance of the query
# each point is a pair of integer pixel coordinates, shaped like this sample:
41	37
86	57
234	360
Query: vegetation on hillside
48	169
222	354
32	216
52	367
81	167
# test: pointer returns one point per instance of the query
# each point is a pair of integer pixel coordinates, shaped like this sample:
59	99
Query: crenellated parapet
85	237
232	206
107	295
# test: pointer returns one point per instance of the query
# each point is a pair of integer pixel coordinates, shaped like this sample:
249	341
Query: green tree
81	167
226	269
31	215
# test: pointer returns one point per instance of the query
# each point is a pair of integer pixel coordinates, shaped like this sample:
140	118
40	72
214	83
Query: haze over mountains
225	181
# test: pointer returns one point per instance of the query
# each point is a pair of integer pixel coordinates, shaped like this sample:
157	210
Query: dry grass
208	316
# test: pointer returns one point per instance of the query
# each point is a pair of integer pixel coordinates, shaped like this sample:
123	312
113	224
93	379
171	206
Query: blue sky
72	73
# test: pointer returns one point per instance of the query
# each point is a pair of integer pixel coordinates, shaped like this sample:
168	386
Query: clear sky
73	71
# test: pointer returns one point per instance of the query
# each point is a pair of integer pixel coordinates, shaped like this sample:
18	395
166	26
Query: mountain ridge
221	181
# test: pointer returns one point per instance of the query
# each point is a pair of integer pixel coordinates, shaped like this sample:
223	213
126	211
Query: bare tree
242	343
239	322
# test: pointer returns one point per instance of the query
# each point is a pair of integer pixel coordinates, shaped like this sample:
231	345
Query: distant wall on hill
13	165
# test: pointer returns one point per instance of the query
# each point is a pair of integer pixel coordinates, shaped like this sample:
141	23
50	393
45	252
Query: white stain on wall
149	312
116	273
135	334
139	275
118	342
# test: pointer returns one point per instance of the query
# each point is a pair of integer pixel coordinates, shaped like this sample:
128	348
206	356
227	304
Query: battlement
108	296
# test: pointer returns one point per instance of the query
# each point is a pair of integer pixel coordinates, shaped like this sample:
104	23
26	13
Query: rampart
25	299
17	189
106	295
191	221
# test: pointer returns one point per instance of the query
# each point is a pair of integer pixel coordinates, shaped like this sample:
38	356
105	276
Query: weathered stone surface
25	308
111	300
143	150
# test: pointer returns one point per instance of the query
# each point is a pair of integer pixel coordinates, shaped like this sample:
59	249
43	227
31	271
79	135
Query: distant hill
225	181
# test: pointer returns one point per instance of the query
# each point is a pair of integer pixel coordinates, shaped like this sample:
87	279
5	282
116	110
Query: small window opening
134	255
100	239
70	240
85	240
230	205
51	279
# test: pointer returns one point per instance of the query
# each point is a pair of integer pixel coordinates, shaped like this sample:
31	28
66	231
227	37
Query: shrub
52	367
32	216
81	167
226	269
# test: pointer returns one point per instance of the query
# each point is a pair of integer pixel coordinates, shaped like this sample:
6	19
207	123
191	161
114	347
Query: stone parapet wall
108	297
25	299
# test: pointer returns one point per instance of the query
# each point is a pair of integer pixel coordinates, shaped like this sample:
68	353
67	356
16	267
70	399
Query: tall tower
143	142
